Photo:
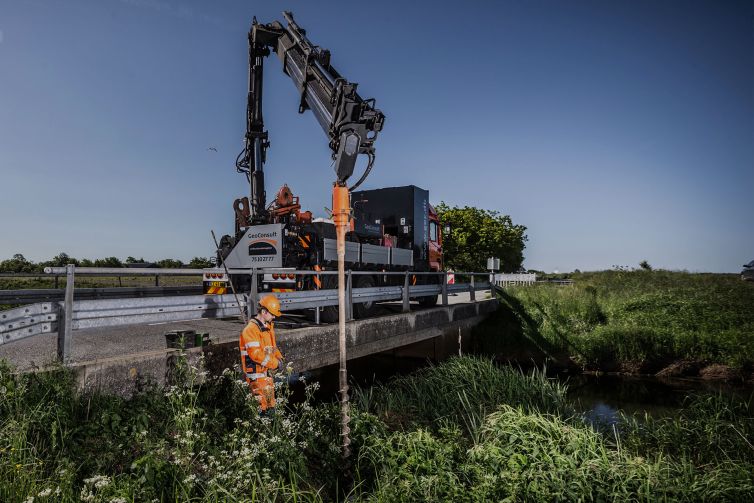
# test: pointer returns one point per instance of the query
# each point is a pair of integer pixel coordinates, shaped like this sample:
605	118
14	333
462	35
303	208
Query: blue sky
615	131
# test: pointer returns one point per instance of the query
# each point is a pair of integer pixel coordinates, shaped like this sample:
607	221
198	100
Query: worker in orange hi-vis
259	353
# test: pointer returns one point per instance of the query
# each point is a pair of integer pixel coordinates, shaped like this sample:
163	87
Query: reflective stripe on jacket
252	343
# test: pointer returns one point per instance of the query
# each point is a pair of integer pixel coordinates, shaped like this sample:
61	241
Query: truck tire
432	300
428	301
364	309
329	314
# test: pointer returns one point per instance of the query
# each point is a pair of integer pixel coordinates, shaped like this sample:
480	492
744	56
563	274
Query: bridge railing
70	314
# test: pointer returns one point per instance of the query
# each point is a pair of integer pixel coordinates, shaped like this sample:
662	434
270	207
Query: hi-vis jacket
259	354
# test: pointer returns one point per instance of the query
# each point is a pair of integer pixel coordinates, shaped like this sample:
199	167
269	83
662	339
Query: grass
463	430
44	281
537	450
618	320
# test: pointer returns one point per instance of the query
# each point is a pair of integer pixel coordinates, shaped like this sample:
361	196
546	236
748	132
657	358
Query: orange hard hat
272	304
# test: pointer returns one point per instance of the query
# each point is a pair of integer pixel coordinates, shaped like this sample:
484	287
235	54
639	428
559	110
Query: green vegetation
477	234
637	321
464	430
20	264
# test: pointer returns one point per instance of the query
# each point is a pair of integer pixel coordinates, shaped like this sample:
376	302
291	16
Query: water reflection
601	397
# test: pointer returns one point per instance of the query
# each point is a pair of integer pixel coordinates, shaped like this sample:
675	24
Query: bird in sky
212	149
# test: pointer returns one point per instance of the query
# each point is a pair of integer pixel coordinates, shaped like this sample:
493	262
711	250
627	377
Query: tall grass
522	453
460	390
201	439
463	430
641	320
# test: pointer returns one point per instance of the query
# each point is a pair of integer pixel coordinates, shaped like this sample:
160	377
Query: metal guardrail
35	295
73	313
515	279
117	312
27	321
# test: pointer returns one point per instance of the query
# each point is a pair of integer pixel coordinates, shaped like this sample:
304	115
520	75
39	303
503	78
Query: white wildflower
45	492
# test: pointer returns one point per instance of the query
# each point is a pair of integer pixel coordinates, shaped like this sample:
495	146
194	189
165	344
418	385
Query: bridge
113	344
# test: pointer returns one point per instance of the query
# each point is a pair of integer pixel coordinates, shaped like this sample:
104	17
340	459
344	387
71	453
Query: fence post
406	304
156	280
445	289
472	289
65	332
317	309
349	295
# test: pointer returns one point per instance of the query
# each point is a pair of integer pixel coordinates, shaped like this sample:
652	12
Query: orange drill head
341	205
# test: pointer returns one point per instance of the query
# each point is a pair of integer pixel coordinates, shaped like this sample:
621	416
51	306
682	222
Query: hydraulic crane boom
350	122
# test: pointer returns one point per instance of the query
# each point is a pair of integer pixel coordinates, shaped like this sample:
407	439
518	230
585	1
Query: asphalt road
98	343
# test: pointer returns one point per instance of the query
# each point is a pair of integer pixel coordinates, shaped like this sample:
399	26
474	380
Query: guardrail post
406	304
472	289
251	305
445	289
156	280
317	309
65	332
349	295
56	282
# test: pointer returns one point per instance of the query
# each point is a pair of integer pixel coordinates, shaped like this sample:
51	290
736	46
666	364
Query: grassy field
45	281
465	430
639	321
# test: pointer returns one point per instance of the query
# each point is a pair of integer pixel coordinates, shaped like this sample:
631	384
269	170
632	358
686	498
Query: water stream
599	397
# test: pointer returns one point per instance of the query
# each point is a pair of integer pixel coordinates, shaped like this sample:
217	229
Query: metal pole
472	289
445	289
341	214
157	280
492	284
349	294
66	331
232	288
406	300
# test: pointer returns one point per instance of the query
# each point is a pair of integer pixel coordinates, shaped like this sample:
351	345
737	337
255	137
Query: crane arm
350	122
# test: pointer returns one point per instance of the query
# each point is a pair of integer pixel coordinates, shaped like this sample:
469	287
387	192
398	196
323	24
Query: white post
65	333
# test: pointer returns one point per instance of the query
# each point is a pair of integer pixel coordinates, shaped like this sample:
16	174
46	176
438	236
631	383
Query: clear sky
616	131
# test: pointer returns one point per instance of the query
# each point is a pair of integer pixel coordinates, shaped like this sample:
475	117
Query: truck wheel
329	314
428	301
364	309
432	300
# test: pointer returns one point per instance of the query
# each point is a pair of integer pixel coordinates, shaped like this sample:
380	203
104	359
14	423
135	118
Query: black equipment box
401	212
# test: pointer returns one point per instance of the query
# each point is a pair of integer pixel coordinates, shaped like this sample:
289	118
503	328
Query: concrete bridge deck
116	358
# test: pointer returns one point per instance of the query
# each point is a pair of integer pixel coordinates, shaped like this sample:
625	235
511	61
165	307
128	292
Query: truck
392	229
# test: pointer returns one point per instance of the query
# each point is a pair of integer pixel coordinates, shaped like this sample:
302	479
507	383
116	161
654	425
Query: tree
477	234
132	260
108	262
17	264
61	260
645	265
200	263
169	263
